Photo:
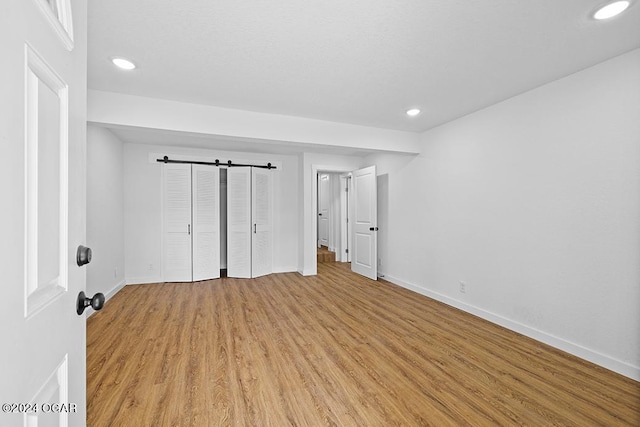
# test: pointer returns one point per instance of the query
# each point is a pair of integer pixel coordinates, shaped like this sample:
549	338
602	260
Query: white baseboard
285	269
600	359
107	295
308	272
143	280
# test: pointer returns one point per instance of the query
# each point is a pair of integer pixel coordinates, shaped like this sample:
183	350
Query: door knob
83	256
97	302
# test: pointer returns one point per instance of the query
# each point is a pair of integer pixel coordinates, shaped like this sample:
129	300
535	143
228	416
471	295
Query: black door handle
320	214
373	228
97	302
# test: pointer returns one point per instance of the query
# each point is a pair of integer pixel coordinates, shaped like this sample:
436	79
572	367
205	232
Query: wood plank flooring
334	349
325	255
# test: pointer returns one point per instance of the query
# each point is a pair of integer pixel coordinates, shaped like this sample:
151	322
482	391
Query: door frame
345	214
312	244
329	217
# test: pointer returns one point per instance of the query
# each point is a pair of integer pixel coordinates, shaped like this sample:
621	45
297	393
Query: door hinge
346	251
346	190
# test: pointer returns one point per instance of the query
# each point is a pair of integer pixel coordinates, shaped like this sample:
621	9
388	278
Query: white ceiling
354	61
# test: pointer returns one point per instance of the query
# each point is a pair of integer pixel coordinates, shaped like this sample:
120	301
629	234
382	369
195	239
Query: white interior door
262	218
43	215
324	191
239	226
365	218
206	222
176	246
345	213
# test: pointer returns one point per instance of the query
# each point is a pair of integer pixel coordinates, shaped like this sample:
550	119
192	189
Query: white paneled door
43	215
365	218
191	222
324	223
249	222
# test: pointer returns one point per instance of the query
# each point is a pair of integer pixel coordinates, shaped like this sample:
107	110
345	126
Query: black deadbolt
83	256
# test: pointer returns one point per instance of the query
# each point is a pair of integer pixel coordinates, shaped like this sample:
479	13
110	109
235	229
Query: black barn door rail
229	164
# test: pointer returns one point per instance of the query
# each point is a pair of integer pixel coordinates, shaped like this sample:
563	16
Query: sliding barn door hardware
229	163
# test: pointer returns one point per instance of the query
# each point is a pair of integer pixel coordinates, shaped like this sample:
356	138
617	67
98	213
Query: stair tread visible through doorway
325	255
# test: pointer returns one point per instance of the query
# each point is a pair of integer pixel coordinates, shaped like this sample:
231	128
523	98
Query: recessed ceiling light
123	63
610	10
413	112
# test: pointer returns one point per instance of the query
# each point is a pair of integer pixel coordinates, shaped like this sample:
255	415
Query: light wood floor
335	349
325	255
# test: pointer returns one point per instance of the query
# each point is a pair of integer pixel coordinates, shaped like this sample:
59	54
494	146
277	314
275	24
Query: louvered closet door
176	259
262	214
206	222
239	222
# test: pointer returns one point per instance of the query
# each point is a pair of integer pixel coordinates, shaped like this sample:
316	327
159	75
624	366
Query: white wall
143	216
535	204
143	208
382	234
105	207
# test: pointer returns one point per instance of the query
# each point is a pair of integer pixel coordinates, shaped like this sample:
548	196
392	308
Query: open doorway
359	206
346	219
332	227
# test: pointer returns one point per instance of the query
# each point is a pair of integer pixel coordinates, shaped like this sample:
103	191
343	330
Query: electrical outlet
463	287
